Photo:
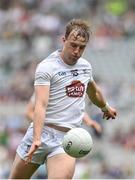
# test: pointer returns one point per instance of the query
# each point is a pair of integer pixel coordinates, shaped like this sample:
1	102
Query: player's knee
61	176
69	176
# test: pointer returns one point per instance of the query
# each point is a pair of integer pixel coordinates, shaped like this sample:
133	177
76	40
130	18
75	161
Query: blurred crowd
29	31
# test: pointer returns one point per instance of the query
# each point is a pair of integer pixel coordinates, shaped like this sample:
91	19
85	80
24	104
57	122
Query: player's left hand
96	126
35	145
109	113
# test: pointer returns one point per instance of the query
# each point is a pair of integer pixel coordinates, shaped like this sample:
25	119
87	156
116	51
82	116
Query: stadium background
29	31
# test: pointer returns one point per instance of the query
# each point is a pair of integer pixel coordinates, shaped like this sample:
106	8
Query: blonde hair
78	25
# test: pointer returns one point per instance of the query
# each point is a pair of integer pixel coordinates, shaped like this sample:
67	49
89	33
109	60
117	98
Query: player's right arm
43	76
30	111
41	102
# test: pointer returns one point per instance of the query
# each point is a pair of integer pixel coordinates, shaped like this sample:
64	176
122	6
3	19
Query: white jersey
32	99
68	84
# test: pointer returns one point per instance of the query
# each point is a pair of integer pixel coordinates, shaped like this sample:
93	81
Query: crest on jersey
74	72
75	89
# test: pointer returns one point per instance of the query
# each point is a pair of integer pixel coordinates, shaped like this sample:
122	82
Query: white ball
77	142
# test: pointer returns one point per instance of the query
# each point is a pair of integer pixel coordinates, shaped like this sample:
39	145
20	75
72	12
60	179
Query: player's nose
77	51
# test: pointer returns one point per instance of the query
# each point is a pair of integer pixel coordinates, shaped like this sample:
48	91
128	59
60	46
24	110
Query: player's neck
66	60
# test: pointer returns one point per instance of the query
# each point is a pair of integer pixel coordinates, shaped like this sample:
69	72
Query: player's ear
63	38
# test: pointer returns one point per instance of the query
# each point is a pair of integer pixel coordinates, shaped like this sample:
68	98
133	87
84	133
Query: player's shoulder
51	58
48	62
32	99
85	62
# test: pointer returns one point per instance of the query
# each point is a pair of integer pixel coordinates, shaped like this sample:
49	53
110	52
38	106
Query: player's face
73	47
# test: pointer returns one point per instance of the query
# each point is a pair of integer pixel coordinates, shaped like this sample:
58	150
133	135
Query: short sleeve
91	74
91	79
43	74
32	99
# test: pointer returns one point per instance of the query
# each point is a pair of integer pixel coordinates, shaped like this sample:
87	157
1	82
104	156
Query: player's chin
74	60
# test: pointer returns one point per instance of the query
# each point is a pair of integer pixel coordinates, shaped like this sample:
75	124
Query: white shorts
51	145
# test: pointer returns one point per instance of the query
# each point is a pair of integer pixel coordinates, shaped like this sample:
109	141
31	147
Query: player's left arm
91	123
97	98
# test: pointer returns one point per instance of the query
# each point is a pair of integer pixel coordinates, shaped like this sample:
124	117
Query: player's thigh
60	166
20	170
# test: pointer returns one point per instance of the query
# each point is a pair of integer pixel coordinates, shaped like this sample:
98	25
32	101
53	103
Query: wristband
105	108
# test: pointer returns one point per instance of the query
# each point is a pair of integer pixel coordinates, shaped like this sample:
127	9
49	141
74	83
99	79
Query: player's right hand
35	145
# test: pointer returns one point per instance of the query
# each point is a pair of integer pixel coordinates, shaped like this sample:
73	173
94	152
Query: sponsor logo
27	148
75	89
83	152
69	145
61	73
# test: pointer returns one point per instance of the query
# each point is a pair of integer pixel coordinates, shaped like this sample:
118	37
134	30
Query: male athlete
61	83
